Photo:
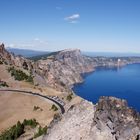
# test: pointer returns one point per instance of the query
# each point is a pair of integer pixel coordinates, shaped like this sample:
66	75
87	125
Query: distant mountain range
109	119
36	55
111	54
26	53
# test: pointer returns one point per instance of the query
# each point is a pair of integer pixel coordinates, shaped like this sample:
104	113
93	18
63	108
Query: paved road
37	94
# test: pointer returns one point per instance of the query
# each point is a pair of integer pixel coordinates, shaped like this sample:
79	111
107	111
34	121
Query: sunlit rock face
5	55
122	121
61	70
11	59
110	119
64	69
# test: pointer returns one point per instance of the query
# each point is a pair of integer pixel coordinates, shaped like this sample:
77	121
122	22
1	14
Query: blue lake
118	82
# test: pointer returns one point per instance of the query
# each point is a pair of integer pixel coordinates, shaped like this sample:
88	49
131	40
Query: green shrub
13	133
69	97
33	123
41	131
54	108
37	108
3	84
1	62
30	79
56	116
5	63
17	130
20	75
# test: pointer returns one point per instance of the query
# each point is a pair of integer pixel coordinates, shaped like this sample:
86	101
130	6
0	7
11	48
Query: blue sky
90	25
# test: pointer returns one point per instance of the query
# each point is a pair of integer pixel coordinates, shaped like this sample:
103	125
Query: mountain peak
71	50
4	54
68	53
2	48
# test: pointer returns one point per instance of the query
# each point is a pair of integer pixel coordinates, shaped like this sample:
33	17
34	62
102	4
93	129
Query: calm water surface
123	83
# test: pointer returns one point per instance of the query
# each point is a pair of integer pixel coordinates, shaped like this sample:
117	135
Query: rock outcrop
63	69
11	59
110	119
122	121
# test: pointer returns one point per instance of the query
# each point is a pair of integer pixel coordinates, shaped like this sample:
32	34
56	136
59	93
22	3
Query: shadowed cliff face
60	70
123	122
110	119
63	69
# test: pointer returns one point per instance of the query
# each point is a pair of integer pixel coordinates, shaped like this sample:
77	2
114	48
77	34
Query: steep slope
63	69
10	59
110	119
59	70
17	106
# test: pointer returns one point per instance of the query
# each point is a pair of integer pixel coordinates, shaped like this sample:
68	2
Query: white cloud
11	45
34	44
73	18
20	45
39	41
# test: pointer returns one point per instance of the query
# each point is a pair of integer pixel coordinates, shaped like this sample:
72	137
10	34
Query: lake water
118	82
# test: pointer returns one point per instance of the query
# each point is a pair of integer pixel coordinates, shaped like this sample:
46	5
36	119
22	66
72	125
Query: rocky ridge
61	70
10	59
110	119
64	69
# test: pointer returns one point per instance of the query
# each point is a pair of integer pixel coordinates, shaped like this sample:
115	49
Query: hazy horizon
92	53
94	26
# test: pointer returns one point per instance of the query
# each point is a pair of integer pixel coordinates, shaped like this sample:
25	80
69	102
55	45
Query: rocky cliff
110	119
60	70
63	69
10	59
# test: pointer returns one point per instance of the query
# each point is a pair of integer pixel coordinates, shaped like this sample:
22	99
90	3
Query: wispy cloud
11	45
39	41
36	39
20	45
35	43
73	18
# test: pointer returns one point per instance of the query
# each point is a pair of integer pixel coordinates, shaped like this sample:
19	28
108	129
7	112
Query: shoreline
106	67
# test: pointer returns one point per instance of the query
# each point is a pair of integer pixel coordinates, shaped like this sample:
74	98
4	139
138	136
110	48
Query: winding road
39	95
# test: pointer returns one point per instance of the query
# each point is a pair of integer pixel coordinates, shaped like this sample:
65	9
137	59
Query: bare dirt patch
16	106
